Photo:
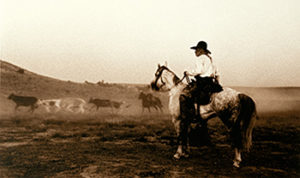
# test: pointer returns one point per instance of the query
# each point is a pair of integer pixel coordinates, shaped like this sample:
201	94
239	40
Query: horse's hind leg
243	126
236	137
234	123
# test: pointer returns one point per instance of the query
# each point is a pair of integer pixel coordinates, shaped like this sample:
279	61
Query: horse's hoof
236	165
185	155
180	155
177	156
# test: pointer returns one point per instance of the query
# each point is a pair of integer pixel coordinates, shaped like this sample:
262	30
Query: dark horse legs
196	135
187	111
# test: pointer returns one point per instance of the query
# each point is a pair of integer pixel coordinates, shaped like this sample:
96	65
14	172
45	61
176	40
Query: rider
206	82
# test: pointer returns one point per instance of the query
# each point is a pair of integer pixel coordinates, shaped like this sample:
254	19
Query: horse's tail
248	117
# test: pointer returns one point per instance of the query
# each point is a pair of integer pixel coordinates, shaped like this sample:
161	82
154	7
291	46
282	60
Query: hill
21	81
15	79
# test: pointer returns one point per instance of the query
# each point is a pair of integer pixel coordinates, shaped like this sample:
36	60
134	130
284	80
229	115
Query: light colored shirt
204	67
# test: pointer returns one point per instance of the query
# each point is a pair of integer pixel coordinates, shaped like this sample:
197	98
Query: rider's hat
201	45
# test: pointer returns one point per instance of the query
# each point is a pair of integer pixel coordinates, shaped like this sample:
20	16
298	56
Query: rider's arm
216	73
197	70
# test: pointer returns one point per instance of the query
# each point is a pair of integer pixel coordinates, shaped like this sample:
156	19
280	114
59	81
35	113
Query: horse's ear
158	65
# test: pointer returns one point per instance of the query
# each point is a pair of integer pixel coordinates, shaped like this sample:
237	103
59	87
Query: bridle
158	76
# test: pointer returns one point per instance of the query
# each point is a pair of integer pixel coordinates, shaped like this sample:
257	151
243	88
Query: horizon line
126	83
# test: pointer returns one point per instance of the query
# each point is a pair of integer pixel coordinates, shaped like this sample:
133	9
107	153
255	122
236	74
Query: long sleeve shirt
204	67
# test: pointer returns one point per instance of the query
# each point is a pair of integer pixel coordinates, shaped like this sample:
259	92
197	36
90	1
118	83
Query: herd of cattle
79	105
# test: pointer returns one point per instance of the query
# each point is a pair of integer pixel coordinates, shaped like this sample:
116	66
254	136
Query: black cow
106	103
24	101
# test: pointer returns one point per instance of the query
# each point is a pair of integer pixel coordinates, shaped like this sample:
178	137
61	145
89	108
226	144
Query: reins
159	73
184	77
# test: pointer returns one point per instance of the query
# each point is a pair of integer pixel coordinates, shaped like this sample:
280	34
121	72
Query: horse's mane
176	79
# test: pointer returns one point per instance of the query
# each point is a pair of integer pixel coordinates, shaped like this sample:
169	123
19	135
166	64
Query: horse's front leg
237	157
181	131
186	113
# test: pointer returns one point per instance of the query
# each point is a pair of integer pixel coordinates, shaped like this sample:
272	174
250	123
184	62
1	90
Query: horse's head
164	79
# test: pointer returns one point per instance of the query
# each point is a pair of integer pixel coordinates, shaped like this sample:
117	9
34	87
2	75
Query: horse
24	101
148	101
236	110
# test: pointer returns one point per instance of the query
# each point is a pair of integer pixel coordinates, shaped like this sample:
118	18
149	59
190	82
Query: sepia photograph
149	88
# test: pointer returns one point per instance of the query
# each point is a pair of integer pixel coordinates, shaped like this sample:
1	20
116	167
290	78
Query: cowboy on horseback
236	110
204	84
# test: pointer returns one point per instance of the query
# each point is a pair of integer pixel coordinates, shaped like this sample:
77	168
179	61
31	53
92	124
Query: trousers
197	92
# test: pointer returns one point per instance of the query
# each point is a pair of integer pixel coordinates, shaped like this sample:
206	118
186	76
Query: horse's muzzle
154	86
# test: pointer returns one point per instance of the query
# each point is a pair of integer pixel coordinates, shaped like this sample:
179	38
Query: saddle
202	88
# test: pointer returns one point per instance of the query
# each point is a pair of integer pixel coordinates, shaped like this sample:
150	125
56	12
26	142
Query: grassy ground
97	145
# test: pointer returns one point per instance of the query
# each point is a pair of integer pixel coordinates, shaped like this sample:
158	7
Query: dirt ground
130	144
94	145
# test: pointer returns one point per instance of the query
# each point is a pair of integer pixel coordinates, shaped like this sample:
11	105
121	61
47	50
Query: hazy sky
253	43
